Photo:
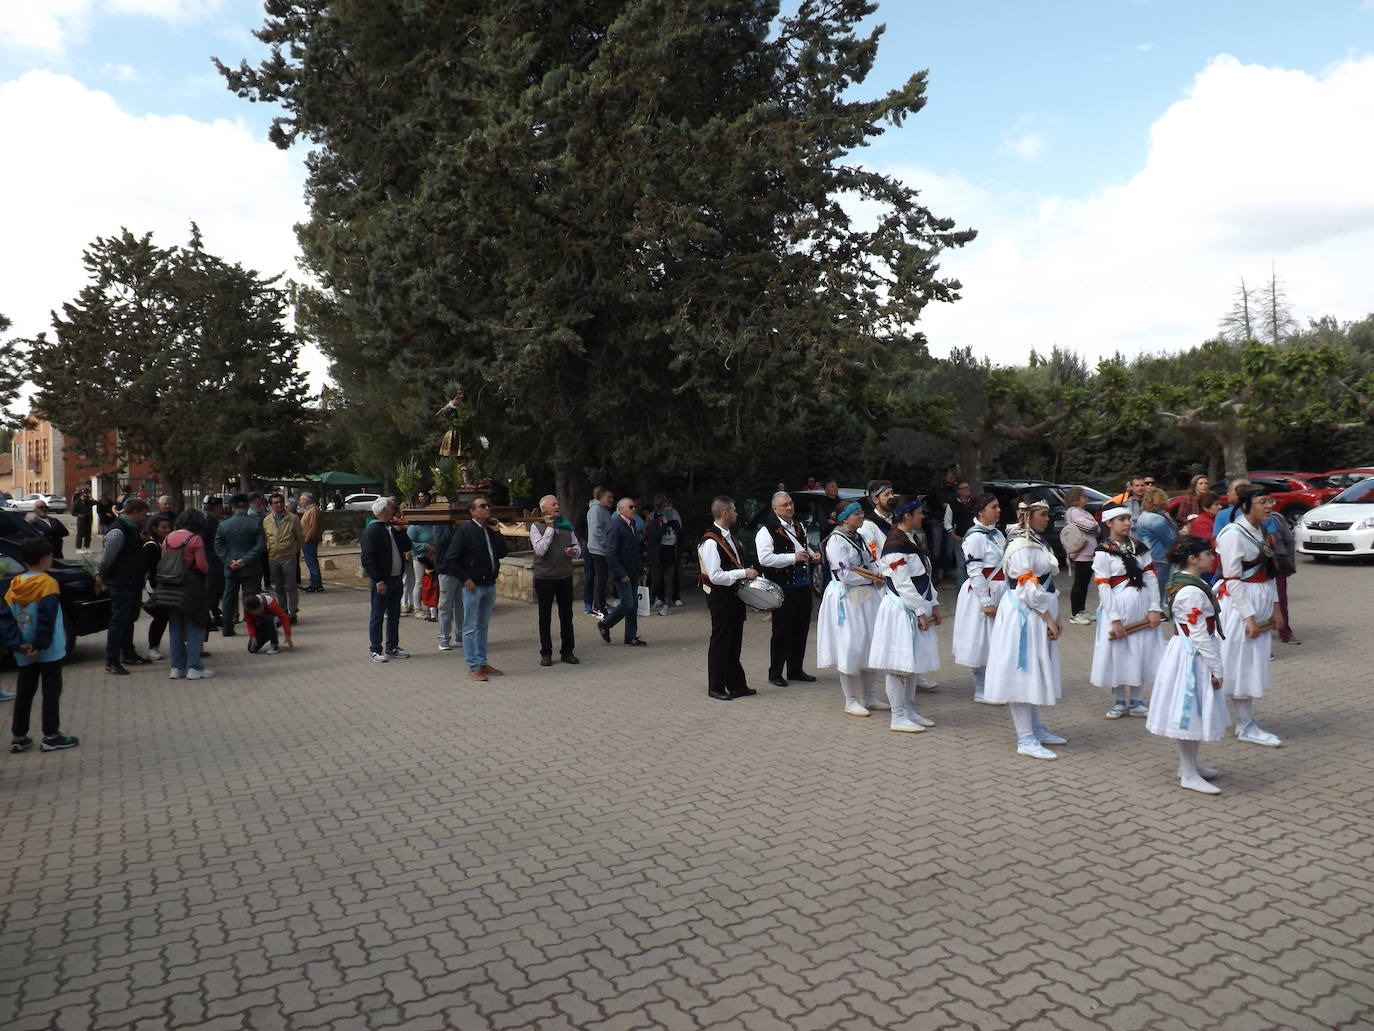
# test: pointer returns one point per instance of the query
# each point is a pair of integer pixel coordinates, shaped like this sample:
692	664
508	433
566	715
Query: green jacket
241	537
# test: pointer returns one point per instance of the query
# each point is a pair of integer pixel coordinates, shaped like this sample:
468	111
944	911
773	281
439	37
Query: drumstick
1131	628
1266	626
844	567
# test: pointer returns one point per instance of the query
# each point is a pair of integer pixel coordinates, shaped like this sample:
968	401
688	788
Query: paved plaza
312	840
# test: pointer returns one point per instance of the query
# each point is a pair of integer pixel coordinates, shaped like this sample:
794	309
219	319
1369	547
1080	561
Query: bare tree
1238	324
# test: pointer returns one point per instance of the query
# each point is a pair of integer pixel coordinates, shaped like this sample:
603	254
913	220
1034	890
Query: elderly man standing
722	570
555	546
625	567
283	535
242	550
312	529
385	550
49	526
474	552
786	560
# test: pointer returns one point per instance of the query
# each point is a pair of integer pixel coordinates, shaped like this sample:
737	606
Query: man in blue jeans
123	568
386	551
474	552
625	566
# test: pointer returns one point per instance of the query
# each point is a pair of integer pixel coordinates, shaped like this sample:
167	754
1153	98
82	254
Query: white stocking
910	697
1187	761
1022	718
870	682
896	694
980	675
1245	709
851	685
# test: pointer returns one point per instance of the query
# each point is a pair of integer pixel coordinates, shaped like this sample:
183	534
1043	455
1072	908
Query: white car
26	503
1344	526
360	502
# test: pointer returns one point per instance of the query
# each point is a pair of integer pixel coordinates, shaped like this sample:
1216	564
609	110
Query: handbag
642	607
429	589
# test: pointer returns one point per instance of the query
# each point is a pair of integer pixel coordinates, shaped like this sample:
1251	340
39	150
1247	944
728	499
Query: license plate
1323	538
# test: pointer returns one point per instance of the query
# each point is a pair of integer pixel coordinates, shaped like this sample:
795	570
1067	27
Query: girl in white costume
844	628
1187	703
1023	653
1127	592
978	597
1249	597
904	639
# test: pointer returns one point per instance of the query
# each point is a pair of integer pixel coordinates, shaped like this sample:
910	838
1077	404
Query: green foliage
14	361
408	478
185	356
619	223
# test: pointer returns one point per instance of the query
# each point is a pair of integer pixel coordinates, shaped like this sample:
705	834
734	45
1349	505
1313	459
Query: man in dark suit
625	566
473	553
385	554
242	550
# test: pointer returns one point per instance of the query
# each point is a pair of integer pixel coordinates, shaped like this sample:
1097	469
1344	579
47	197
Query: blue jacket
32	614
622	555
1155	530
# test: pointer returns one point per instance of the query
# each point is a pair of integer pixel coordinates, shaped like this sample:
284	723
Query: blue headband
910	506
849	510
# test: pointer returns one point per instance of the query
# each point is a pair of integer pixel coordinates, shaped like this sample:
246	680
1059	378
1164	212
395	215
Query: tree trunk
1233	455
970	459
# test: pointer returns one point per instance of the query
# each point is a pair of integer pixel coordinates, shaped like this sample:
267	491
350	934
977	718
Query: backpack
170	577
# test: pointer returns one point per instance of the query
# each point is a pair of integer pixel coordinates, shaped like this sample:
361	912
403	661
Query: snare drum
761	594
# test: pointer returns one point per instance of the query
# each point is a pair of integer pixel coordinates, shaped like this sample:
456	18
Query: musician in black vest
786	560
722	570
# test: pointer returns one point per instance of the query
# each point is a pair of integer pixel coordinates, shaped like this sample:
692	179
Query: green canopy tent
349	483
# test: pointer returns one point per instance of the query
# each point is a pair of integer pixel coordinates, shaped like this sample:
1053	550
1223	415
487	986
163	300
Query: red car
1294	493
1342	478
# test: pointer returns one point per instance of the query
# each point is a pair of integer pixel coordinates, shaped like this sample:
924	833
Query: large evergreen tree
619	223
186	356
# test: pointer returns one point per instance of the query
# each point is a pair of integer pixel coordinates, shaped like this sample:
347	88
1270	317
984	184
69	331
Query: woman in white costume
904	640
1127	593
978	597
1249	599
1023	653
1187	703
844	628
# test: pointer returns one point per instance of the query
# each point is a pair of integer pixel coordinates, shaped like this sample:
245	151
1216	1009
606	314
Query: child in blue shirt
31	626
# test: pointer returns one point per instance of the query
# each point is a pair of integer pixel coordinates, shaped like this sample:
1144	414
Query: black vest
128	568
795	575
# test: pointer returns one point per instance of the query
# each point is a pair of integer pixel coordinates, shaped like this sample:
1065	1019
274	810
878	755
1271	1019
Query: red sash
1001	573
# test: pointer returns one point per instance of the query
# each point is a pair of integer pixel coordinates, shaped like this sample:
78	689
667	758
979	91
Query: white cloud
49	26
86	168
1144	48
1027	146
122	72
1254	165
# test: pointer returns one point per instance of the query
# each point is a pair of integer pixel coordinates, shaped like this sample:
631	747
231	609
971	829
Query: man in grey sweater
599	517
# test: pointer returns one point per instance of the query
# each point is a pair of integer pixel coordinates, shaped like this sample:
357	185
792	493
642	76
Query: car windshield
1361	493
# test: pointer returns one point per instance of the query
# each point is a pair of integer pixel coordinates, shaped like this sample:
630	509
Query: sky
1125	162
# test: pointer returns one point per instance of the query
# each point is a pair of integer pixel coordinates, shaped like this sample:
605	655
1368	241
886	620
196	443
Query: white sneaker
1046	737
916	717
1200	785
199	674
665	611
926	684
1034	749
444	646
268	649
1080	620
878	705
378	656
153	654
421	614
677	604
175	674
904	726
1250	730
855	709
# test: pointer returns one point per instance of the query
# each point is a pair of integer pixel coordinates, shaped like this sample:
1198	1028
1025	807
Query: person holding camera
555	546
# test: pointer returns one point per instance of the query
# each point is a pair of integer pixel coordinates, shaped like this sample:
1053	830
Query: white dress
1241	594
899	645
1183	704
983	548
844	628
1131	662
1023	663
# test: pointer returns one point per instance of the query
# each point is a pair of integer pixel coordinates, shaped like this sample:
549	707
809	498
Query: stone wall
515	580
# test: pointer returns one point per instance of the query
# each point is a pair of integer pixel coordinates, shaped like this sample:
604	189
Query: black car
1010	491
85	610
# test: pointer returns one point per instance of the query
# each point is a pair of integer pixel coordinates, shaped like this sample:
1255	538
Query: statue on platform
459	419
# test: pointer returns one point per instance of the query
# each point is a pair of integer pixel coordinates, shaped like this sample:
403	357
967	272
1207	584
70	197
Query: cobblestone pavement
312	840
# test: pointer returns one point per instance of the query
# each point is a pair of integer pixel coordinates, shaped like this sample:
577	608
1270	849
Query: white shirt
708	552
772	558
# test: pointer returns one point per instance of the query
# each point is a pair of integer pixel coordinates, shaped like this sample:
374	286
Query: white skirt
844	628
1131	662
1037	679
1247	662
1176	710
898	646
973	629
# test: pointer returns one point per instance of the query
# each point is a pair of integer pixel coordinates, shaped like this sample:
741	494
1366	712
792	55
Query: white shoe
916	717
904	726
677	604
199	674
1034	749
444	646
665	611
1045	737
176	674
421	614
1080	620
926	684
153	654
1250	730
877	705
854	709
1199	784
268	649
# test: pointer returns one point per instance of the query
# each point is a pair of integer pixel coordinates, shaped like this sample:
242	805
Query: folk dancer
844	629
1127	594
878	519
1023	650
722	570
983	546
786	560
1249	608
904	639
1187	704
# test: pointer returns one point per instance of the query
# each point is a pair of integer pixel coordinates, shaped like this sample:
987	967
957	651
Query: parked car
1294	496
1008	491
1344	526
85	610
1343	478
360	502
1096	499
813	508
55	502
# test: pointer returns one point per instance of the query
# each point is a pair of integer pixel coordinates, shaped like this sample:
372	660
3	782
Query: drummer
844	629
723	570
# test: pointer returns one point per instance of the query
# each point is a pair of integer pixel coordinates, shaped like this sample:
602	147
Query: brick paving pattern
312	840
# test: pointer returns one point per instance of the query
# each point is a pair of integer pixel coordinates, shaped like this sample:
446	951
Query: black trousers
83	532
49	675
667	578
791	627
723	670
546	592
601	574
1082	578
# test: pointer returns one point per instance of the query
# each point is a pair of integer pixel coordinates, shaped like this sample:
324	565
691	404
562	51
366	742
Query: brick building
46	462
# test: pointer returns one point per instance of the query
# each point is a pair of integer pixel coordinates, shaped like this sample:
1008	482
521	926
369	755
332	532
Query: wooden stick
1266	626
1131	628
877	578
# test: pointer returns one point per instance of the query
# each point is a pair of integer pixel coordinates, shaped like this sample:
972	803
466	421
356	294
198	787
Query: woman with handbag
1079	538
187	612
